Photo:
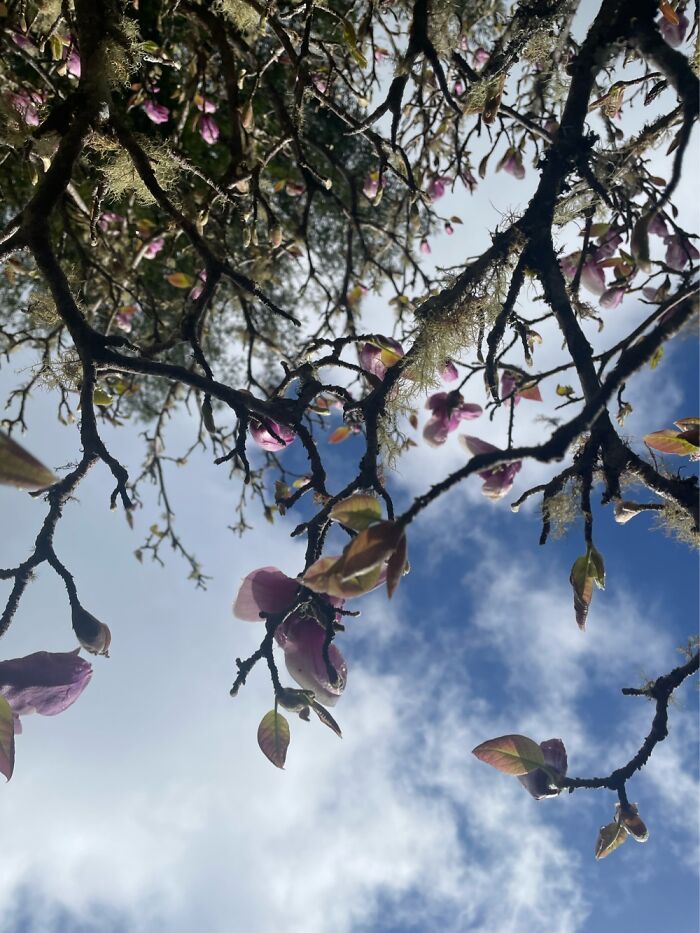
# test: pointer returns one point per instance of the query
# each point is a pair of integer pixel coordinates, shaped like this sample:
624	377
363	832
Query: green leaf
19	468
101	397
679	443
565	390
656	358
273	737
586	571
610	837
358	512
511	754
7	739
350	39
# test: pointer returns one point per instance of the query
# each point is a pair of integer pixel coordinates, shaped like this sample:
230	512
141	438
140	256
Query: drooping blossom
674	34
437	187
449	372
376	358
448	409
372	185
92	634
480	57
592	275
657	226
123	317
540	784
449	229
156	113
270	435
458	88
46	682
199	286
680	251
153	247
425	247
204	104
607	245
108	220
26	106
512	162
498	481
208	129
612	298
73	66
300	636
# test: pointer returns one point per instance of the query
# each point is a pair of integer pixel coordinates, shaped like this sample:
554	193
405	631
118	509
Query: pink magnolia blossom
208	129
44	682
372	185
199	286
612	298
204	104
592	276
425	247
377	359
153	247
512	162
607	245
498	481
157	113
450	372
109	219
674	35
271	435
300	636
513	389
657	226
26	106
680	251
448	409
23	42
480	57
449	229
458	88
437	187
539	783
123	317
73	66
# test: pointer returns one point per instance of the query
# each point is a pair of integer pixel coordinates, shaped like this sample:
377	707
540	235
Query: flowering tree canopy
200	201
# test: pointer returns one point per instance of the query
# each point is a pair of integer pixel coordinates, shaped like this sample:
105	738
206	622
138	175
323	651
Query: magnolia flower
607	245
448	409
199	286
437	187
377	359
73	66
458	88
498	480
270	435
123	317
680	251
449	229
208	129
153	247
26	106
657	226
44	682
592	276
509	384
512	162
203	104
108	219
450	372
538	782
372	185
480	57
612	298
469	180
425	247
157	113
24	42
674	35
294	189
300	636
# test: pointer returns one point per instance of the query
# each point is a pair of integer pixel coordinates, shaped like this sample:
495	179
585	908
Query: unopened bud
92	634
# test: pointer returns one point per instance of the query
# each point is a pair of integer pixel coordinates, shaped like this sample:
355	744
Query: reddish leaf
511	754
678	443
273	737
340	434
668	12
370	548
7	739
180	280
633	823
586	571
533	393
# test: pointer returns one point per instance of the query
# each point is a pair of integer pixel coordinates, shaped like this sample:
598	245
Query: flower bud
92	634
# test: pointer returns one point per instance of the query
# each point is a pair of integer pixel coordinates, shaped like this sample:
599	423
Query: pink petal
264	590
303	656
44	682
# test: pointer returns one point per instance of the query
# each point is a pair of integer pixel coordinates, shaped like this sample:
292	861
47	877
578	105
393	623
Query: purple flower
372	185
24	42
45	682
203	104
26	106
612	298
302	639
425	247
208	129
73	66
199	286
264	590
437	187
512	162
607	245
449	229
448	409
538	782
509	384
458	88
657	226
123	317
480	57
592	276
153	247
377	357
680	251
498	481
109	218
270	435
450	372
157	113
674	35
